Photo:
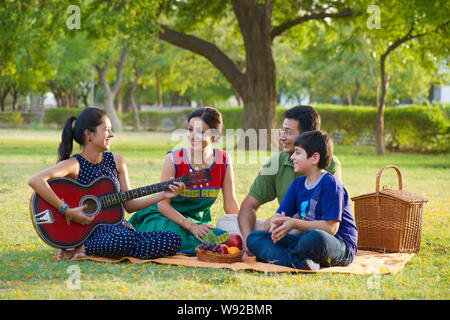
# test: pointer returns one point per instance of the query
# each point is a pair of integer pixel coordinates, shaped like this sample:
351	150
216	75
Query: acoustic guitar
104	203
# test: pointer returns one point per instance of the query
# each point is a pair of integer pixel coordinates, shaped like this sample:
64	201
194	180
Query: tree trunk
384	84
83	92
85	99
15	96
159	96
108	100
119	104
127	102
349	100
379	124
356	92
91	89
257	84
133	86
57	98
108	93
3	95
73	99
259	92
55	93
64	101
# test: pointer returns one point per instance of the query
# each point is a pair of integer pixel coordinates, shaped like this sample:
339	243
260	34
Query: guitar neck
114	199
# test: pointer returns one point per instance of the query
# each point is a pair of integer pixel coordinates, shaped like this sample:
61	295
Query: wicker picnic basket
209	256
389	220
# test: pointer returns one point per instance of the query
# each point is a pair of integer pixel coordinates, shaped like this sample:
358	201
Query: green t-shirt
277	174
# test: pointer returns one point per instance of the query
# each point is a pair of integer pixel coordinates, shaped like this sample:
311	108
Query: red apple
222	249
234	240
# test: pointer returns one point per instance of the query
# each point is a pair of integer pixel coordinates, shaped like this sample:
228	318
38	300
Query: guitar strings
164	186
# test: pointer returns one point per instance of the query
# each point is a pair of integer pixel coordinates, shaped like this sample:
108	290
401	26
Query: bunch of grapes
209	246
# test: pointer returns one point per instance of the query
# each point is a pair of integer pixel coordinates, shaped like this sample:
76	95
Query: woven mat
366	262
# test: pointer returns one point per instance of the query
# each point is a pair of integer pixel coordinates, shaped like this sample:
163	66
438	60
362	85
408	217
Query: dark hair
307	117
210	116
89	118
317	141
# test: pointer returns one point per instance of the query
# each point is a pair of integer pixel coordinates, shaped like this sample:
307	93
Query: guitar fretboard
114	199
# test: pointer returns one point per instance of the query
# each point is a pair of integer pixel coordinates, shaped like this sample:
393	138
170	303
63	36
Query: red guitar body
104	203
55	230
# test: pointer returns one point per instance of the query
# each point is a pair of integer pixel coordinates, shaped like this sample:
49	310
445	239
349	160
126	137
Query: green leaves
210	237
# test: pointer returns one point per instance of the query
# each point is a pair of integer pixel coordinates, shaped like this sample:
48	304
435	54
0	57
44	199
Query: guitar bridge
44	217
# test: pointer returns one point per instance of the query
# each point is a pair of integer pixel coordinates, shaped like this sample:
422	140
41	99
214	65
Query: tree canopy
261	52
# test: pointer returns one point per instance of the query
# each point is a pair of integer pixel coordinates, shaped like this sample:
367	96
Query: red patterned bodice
207	190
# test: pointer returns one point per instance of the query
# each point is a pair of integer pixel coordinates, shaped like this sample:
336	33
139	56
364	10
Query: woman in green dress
189	214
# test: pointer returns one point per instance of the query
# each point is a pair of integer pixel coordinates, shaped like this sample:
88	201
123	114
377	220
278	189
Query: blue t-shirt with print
326	199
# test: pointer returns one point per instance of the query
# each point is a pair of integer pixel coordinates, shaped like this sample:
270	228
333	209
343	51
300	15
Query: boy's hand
274	222
280	227
266	224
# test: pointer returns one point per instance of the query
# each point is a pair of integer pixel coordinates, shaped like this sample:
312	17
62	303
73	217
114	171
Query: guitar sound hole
91	206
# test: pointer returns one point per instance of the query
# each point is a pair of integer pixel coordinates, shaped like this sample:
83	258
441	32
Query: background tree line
258	51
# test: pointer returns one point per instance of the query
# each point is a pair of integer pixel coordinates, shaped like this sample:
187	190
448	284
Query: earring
90	139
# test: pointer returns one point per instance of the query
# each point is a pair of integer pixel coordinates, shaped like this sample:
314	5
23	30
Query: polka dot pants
115	241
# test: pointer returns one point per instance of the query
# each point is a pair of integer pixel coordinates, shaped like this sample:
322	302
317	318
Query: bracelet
63	208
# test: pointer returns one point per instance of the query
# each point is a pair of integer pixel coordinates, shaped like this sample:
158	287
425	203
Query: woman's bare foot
71	254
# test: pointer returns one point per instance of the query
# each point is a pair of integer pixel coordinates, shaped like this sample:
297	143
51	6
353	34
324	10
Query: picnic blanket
366	262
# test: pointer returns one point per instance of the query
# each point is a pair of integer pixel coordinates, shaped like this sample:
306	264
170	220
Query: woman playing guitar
92	131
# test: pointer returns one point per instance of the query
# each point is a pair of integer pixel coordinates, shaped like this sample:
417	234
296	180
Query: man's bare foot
248	253
71	254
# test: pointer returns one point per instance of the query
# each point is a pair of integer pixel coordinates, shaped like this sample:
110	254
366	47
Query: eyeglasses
285	131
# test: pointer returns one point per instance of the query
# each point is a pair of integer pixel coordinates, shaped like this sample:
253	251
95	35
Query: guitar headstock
197	177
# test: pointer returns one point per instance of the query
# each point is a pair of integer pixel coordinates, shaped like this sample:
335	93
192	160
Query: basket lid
401	195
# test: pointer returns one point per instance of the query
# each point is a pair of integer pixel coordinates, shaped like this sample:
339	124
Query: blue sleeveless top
90	171
107	167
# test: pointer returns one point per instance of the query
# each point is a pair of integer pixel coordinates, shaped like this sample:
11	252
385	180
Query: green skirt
150	219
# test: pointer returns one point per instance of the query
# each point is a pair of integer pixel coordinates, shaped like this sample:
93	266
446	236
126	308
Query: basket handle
399	175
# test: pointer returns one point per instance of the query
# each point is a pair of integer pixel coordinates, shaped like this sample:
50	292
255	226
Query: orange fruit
232	250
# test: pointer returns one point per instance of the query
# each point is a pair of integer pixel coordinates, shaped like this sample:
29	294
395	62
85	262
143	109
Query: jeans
291	250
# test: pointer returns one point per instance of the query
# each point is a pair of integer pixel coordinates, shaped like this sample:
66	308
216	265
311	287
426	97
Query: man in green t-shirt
275	176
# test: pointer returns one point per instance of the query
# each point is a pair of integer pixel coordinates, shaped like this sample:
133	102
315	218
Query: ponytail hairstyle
90	119
66	145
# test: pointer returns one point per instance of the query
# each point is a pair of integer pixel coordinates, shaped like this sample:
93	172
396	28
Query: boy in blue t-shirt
316	204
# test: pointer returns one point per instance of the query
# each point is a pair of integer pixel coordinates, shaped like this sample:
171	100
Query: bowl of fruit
228	252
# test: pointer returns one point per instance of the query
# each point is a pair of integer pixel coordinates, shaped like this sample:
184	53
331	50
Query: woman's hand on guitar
174	190
200	230
78	216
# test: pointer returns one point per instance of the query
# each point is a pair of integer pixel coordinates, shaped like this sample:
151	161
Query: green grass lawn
28	271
